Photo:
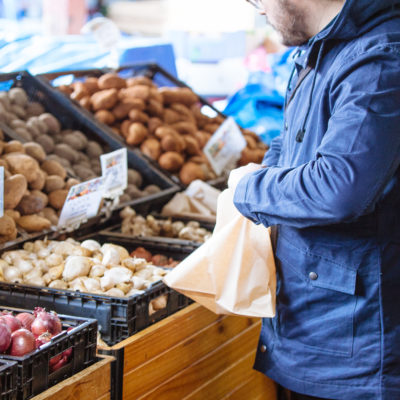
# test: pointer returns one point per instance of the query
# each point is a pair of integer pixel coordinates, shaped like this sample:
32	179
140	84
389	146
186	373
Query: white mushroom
12	274
91	245
76	266
114	276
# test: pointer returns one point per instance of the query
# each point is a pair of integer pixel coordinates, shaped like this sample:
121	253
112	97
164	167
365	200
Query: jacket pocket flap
317	270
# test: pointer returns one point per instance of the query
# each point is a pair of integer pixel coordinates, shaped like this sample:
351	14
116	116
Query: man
330	187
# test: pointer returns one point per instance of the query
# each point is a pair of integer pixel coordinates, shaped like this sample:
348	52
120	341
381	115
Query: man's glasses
257	4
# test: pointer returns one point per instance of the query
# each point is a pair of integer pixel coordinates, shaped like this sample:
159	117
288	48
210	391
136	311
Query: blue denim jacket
332	190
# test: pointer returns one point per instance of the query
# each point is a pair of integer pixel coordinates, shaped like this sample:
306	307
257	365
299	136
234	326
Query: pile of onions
23	333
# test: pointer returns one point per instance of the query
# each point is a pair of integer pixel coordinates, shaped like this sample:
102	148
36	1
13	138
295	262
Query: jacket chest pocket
316	301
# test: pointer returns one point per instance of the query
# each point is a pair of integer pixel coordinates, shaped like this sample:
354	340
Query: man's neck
323	12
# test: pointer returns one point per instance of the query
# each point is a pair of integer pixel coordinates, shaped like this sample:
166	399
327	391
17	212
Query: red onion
67	353
26	319
5	337
43	338
22	342
45	322
12	322
54	367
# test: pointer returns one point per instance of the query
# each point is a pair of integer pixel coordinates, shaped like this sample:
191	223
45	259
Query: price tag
114	167
83	202
225	146
1	191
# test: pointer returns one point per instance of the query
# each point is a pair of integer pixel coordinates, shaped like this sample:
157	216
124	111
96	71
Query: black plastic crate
8	380
71	117
33	369
117	317
153	71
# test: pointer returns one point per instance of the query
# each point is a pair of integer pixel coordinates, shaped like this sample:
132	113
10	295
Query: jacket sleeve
272	155
357	157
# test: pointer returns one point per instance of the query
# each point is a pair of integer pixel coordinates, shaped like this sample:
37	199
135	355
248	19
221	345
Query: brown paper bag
234	271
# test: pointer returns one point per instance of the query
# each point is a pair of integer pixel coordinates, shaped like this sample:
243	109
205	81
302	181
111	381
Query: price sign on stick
114	167
1	191
225	146
83	202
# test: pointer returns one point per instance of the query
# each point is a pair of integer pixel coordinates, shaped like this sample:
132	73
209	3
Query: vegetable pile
25	332
165	123
88	267
137	225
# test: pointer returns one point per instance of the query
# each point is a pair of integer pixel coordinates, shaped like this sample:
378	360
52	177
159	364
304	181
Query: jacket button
263	348
313	276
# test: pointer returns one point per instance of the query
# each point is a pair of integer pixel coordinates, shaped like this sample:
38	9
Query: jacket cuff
239	199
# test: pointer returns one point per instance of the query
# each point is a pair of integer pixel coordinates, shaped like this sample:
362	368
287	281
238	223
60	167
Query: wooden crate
93	383
193	354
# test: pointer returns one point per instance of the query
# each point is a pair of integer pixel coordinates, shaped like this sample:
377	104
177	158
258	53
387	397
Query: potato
111	80
138	116
8	230
192	146
52	123
34	109
182	109
13	214
50	214
134	178
53	182
18	111
121	110
31	204
125	127
155	108
13	146
137	104
82	137
46	142
57	198
171	116
185	128
137	134
138	91
18	96
3	163
171	142
35	150
52	167
151	189
74	140
83	172
93	149
23	164
39	181
23	133
105	117
104	99
91	84
70	182
171	161
43	196
14	189
156	95
151	148
67	152
85	102
210	128
190	172
178	95
139	80
39	125
162	131
80	91
133	192
33	223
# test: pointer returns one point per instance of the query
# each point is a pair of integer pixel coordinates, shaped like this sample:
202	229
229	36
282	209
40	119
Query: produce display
165	123
25	332
136	225
47	140
157	259
87	267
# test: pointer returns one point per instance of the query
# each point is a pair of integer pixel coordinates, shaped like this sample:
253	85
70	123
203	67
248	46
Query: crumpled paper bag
234	271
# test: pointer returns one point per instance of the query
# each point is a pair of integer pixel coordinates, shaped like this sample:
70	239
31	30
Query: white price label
114	167
225	146
83	202
1	191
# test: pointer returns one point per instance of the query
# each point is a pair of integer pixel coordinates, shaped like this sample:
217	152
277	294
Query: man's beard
290	23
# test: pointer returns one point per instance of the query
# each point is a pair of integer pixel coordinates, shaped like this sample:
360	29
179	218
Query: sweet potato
105	117
14	189
138	116
22	164
151	148
104	99
171	161
191	171
110	81
178	95
137	134
57	198
33	223
138	91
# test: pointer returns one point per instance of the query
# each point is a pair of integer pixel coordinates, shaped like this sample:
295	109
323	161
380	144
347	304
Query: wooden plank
258	387
107	396
143	379
90	384
226	381
197	374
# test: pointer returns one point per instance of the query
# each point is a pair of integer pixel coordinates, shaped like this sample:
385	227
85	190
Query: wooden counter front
193	354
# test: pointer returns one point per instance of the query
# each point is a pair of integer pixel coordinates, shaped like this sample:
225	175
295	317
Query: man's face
288	17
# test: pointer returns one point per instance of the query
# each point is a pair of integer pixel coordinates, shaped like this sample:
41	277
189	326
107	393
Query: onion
12	322
53	361
26	319
5	337
22	342
43	338
55	366
45	322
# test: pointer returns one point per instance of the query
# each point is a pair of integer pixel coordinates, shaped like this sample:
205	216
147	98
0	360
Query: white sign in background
83	202
114	167
225	146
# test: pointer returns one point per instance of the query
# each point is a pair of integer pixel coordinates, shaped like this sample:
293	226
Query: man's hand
237	174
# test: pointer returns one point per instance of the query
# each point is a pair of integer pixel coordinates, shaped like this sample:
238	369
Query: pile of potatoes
70	148
136	225
35	188
88	267
165	123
